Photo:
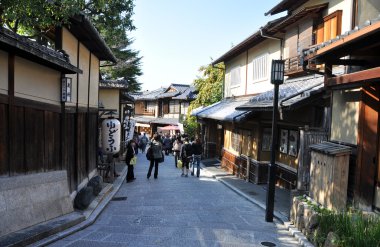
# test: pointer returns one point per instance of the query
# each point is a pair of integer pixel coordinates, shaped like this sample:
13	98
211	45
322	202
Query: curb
90	218
283	220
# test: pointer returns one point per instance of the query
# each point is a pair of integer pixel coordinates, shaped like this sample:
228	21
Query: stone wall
31	199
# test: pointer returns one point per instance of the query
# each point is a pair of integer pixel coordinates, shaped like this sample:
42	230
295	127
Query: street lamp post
277	78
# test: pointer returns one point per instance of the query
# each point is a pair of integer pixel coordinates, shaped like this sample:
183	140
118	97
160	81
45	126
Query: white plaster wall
334	5
239	89
109	98
94	84
37	82
70	46
3	72
345	116
270	47
84	65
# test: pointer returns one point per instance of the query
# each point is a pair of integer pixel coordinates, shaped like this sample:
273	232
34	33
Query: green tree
113	19
210	90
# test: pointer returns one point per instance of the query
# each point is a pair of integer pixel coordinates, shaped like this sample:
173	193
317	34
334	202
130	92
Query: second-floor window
184	107
149	106
329	28
174	106
235	76
260	68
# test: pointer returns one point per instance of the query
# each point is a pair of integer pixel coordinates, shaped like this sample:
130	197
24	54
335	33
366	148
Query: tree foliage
112	18
210	91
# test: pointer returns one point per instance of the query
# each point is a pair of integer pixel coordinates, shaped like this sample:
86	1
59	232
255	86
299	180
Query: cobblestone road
178	211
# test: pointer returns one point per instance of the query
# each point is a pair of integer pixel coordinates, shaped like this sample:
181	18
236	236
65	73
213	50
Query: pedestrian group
185	152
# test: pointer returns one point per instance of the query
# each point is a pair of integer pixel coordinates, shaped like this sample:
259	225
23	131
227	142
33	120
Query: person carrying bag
186	155
155	157
128	160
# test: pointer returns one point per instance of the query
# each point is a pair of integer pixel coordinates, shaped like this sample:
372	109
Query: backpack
187	150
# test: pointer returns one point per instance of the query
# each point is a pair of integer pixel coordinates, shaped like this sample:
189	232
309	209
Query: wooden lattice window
235	141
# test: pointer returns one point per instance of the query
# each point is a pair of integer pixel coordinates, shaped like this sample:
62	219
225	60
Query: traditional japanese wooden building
48	121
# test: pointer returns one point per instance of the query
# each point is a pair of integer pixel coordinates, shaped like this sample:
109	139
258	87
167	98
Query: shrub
354	229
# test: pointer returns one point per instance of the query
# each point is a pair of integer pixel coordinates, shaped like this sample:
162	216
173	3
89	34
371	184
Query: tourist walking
143	142
186	155
177	144
197	154
167	142
155	155
128	158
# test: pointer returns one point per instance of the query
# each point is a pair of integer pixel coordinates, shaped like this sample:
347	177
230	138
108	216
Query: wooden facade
356	98
38	132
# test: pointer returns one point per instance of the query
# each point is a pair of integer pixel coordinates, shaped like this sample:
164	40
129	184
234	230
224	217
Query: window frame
262	66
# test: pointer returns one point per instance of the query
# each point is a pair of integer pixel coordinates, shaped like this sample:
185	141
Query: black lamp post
277	78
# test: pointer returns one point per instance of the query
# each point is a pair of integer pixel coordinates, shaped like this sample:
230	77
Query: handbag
179	164
133	161
162	159
149	153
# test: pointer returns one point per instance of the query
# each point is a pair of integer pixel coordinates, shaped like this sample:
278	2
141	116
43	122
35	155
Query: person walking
186	153
167	142
177	144
156	151
143	142
197	154
128	157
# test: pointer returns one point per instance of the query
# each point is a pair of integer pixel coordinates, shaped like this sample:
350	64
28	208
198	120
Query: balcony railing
293	65
145	112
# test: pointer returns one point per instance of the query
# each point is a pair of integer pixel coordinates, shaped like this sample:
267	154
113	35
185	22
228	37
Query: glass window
174	106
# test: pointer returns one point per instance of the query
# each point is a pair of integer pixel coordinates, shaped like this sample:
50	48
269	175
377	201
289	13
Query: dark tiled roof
126	97
148	95
171	121
290	93
224	110
149	120
116	84
285	5
181	91
146	120
31	50
296	16
188	94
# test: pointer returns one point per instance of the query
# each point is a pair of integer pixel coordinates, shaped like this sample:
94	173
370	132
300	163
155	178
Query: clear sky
176	37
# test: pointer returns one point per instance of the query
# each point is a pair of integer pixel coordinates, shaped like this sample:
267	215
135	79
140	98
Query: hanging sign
111	136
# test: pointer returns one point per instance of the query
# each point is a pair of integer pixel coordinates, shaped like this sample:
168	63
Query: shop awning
169	127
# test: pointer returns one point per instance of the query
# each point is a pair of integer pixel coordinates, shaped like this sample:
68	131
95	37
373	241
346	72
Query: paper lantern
111	136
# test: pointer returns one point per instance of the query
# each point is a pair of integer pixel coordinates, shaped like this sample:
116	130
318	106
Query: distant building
162	107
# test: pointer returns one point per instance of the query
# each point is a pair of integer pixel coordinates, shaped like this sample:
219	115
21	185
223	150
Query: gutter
272	37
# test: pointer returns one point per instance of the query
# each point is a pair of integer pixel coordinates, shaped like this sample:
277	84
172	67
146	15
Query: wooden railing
293	65
145	112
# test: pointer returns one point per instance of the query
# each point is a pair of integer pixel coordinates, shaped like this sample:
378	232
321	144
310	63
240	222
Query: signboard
66	89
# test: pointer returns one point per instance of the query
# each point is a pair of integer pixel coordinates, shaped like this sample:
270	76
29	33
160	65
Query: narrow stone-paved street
178	211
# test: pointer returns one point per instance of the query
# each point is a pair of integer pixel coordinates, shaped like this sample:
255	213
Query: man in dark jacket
197	154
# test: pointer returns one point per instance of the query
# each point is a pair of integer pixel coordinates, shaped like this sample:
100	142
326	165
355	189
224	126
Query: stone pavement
181	211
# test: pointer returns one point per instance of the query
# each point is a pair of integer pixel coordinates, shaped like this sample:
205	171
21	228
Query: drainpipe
272	37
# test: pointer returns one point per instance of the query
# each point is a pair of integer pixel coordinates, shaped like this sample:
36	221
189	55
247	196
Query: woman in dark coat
156	155
130	154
